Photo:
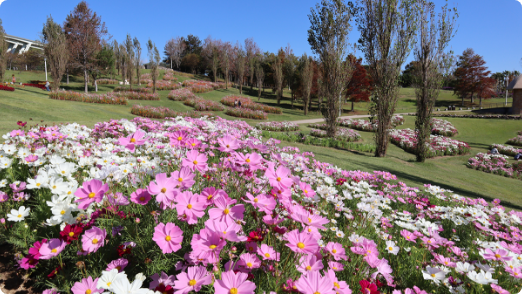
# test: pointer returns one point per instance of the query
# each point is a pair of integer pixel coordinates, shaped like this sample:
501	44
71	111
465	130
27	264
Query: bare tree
137	57
123	62
307	75
129	45
278	78
252	50
55	49
433	37
84	31
387	36
225	57
116	49
240	67
174	50
260	77
3	53
328	37
154	60
211	53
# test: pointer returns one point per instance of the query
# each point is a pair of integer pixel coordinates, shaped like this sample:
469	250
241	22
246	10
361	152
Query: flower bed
248	103
164	112
442	128
169	76
366	125
439	145
181	94
127	89
486	116
205	205
165	85
201	104
496	164
278	126
109	98
107	82
519	132
6	88
517	141
506	150
342	134
40	86
137	95
246	113
198	86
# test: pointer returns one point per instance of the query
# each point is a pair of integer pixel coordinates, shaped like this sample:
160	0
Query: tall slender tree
211	53
278	77
123	61
129	46
137	58
55	49
240	67
3	52
387	31
435	33
307	74
154	60
84	30
260	77
328	37
225	57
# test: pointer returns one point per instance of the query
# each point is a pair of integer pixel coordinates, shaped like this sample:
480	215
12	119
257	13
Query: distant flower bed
169	76
366	125
489	116
109	98
342	134
246	113
439	145
506	150
198	86
164	112
36	86
181	94
127	89
165	85
515	141
106	82
201	104
496	164
248	103
278	126
137	95
146	76
519	133
6	88
442	127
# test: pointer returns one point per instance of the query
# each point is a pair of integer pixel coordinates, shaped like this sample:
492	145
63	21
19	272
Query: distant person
494	151
518	156
235	103
47	86
13	80
239	103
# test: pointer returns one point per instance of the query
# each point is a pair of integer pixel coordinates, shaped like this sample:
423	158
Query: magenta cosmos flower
207	245
301	242
140	196
189	207
164	188
120	264
184	178
280	178
268	253
192	280
313	283
86	286
336	250
309	263
35	250
210	193
195	161
133	140
232	283
178	138
249	261
253	160
93	239
226	213
168	237
90	192
52	248
307	189
262	202
227	144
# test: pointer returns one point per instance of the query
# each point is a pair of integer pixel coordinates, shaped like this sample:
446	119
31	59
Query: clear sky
488	26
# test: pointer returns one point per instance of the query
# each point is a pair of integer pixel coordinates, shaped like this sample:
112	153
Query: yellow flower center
189	206
247	160
212	247
192	282
62	212
168	238
337	285
38	184
226	211
433	275
334	251
54	250
309	220
390	248
317	292
94	241
92	194
210	196
267	255
193	144
300	245
163	190
180	180
19	216
142	198
88	291
54	187
278	179
497	255
308	268
71	234
180	138
306	191
109	284
195	162
63	172
133	140
256	200
249	264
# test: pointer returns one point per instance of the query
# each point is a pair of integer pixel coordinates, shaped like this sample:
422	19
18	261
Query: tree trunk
67	77
240	88
95	86
305	102
480	101
86	80
352	105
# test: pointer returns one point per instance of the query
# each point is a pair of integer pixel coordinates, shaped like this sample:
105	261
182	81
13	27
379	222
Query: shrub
342	134
366	125
249	104
164	112
6	88
278	126
246	113
181	94
40	86
109	98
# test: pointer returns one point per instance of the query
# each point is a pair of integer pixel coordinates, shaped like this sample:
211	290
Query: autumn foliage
359	87
472	77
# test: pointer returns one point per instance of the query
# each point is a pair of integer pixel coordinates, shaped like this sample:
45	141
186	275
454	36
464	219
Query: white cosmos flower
19	214
484	278
109	277
464	267
392	248
435	274
123	286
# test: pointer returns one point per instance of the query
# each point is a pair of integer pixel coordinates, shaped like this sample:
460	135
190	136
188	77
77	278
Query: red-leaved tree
472	77
359	87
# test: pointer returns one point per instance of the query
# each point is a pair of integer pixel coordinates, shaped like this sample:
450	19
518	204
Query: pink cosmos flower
52	248
195	161
93	239
28	262
184	178
227	144
210	193
268	253
336	250
253	160
499	254
86	286
312	220
340	287
90	192
226	231
385	270
189	207
118	264
280	178
249	261
232	283
207	245
192	280
164	188
118	199
269	220
168	237
409	236
178	138
31	158
301	243
225	212
313	282
133	140
140	196
309	263
192	143
307	189
164	280
35	250
336	266
262	202
498	289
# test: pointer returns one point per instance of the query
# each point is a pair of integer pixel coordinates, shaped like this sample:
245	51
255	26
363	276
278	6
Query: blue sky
487	26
